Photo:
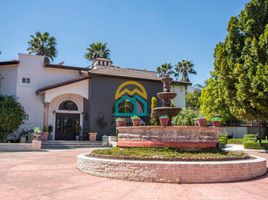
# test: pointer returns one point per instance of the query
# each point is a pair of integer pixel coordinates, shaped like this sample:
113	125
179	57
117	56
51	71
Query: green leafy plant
153	118
36	130
165	70
120	119
185	118
135	117
164	117
97	50
216	119
256	145
11	115
45	129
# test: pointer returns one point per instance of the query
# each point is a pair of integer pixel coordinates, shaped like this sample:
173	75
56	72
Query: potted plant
201	121
37	133
164	119
44	135
78	131
136	120
120	122
216	121
50	130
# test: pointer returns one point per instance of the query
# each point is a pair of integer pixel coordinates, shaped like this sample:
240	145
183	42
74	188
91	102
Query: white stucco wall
78	88
32	66
8	79
179	101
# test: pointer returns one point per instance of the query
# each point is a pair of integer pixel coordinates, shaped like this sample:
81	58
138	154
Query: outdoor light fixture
54	112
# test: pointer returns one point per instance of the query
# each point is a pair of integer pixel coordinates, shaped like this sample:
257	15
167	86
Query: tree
165	70
240	64
184	68
11	115
97	50
43	44
153	118
212	103
192	99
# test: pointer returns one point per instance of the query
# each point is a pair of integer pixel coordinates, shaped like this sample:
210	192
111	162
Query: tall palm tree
184	68
43	44
97	50
164	70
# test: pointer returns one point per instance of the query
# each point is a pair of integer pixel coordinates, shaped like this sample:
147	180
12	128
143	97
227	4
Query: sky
141	34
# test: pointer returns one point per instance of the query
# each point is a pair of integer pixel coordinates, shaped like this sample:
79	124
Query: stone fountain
166	96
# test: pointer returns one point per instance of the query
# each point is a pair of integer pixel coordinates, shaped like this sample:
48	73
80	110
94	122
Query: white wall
32	66
179	101
8	79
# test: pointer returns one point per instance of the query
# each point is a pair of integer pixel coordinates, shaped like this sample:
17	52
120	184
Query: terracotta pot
92	136
201	122
44	136
164	121
136	122
216	123
121	123
37	136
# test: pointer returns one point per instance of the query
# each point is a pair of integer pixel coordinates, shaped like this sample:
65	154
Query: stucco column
45	116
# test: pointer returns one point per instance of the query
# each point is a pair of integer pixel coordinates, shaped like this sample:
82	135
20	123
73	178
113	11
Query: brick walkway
52	175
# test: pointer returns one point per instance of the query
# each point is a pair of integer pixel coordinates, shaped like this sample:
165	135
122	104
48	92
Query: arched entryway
67	123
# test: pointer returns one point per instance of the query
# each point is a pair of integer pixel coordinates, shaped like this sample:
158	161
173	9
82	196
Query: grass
167	154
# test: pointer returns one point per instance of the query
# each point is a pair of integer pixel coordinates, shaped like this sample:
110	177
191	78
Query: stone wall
170	136
173	171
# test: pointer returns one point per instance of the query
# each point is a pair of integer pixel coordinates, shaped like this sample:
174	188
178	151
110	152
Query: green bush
249	137
223	139
256	145
11	115
185	118
235	141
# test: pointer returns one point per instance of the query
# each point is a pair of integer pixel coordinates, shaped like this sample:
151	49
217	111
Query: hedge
255	145
235	141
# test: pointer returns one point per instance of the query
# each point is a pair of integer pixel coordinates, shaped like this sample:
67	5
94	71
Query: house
68	97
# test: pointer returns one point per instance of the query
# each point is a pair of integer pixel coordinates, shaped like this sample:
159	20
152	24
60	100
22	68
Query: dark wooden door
66	124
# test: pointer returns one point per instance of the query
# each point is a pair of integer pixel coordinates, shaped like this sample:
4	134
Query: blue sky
140	33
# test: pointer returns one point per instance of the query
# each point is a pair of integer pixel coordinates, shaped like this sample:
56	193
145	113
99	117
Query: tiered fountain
184	137
166	96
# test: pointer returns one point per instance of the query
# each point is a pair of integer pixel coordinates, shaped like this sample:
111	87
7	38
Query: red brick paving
52	175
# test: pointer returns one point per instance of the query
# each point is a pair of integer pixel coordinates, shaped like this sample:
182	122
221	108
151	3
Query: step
60	144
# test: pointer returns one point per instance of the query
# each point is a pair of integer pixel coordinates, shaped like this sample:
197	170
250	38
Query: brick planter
173	171
184	137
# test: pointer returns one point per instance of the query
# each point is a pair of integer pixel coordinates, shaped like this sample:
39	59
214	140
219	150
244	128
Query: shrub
154	121
223	139
185	118
235	141
255	145
11	115
249	137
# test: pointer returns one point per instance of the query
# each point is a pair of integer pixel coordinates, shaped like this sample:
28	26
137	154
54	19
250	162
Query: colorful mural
131	99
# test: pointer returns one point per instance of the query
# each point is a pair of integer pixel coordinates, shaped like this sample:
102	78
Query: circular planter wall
173	171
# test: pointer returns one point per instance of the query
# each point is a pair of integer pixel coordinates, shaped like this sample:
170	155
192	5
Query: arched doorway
67	121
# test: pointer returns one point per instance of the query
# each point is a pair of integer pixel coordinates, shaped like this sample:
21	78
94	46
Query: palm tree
97	50
43	44
164	70
184	67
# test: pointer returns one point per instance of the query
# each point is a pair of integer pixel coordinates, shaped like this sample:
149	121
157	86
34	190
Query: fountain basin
169	111
166	95
183	137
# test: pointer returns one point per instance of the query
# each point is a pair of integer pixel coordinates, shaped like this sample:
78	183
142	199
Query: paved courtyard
52	175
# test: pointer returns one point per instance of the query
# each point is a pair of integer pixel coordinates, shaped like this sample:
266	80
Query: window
68	105
26	80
